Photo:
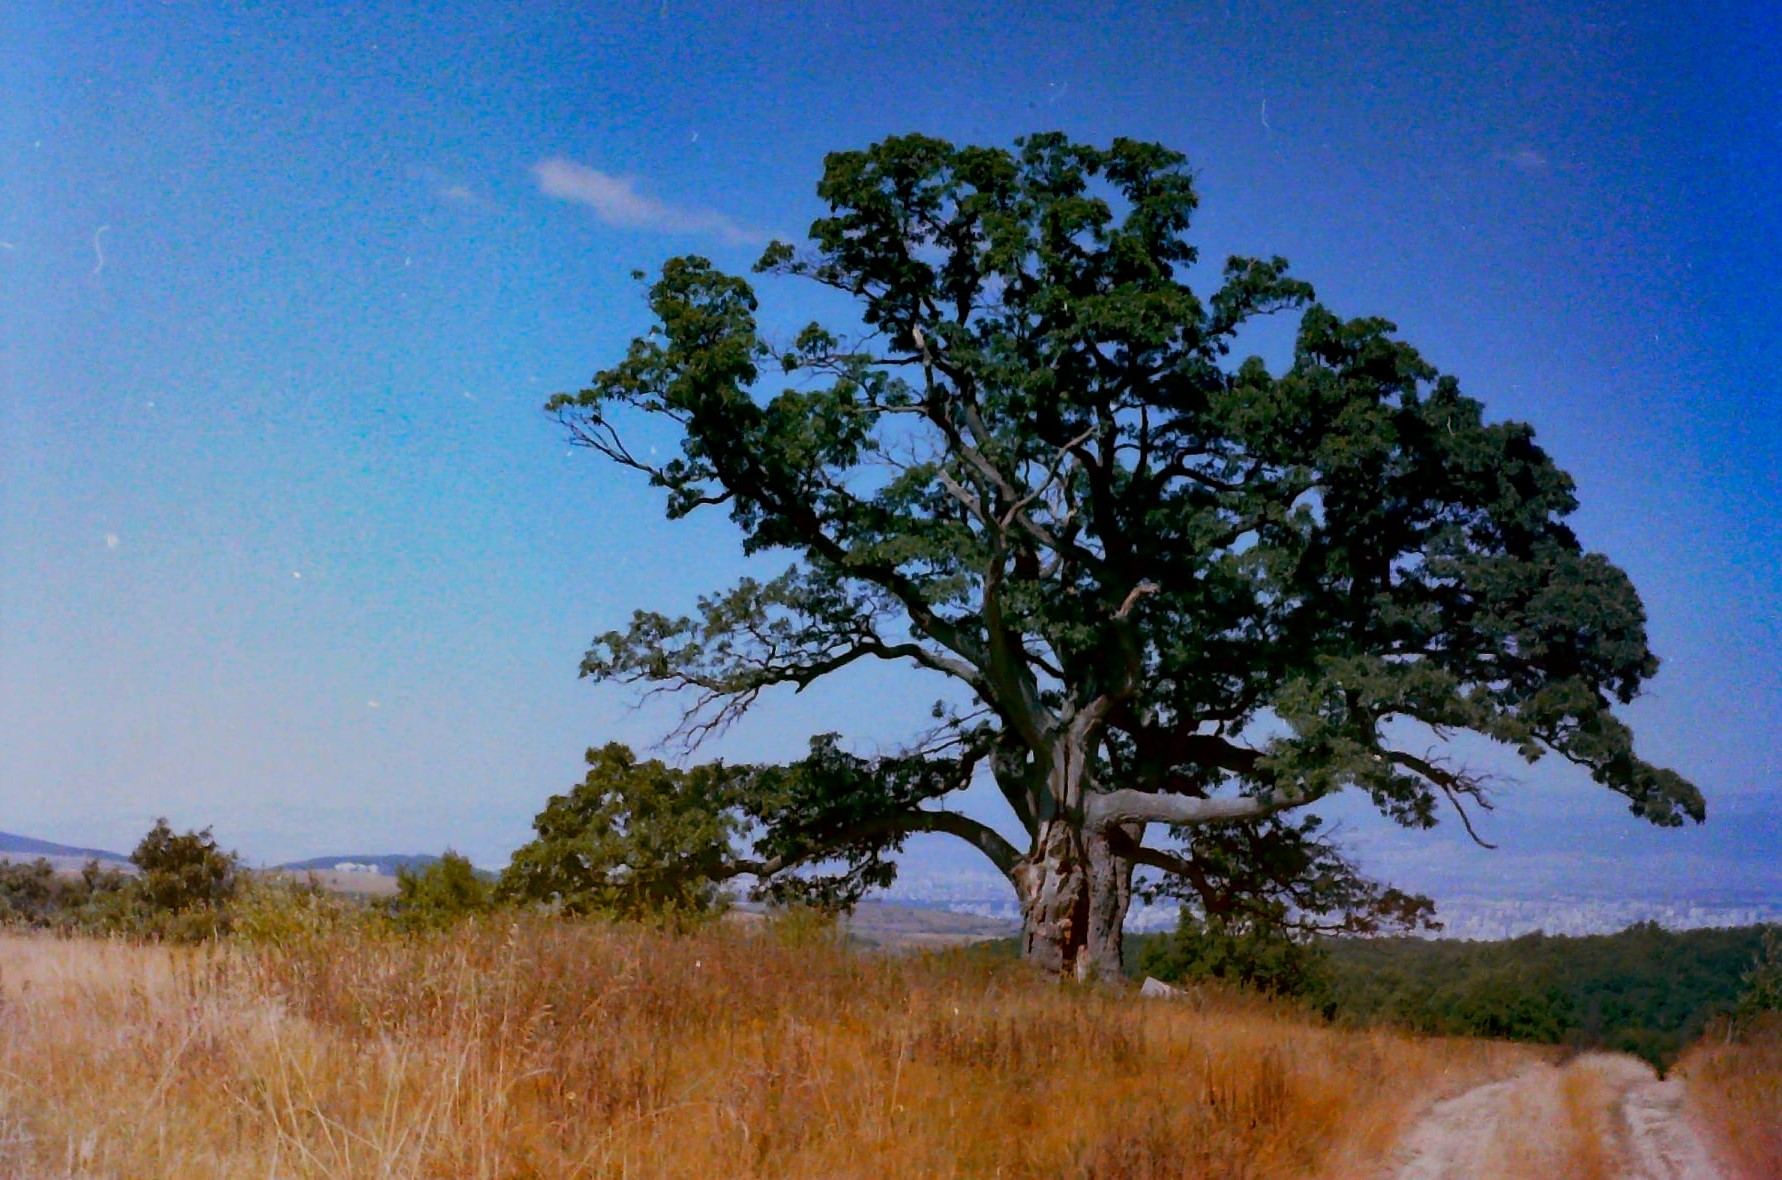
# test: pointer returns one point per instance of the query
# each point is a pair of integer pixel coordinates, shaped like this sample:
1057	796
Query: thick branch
1128	806
979	835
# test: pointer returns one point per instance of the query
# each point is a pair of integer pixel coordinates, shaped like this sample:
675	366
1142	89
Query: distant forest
1646	991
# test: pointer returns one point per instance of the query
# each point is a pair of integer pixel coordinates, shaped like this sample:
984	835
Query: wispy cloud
616	201
1525	159
463	194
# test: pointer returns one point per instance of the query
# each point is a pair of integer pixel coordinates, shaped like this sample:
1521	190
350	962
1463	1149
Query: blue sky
287	546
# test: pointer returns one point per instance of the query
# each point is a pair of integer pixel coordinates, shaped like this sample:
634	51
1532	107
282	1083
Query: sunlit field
535	1048
1735	1091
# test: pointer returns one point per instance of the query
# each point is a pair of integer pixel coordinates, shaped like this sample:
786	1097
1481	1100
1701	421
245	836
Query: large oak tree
1180	594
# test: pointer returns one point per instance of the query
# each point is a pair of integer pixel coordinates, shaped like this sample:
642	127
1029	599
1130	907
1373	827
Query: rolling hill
14	847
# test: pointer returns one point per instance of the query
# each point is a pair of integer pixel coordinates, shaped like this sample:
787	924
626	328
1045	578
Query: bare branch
1455	784
1132	597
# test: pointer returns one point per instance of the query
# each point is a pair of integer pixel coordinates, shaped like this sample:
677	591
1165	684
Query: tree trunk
1074	891
1110	892
1053	885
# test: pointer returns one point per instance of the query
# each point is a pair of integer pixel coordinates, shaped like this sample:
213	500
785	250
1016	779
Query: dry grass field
1735	1092
540	1049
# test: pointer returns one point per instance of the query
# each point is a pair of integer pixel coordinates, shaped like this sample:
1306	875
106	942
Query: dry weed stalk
532	1048
1735	1094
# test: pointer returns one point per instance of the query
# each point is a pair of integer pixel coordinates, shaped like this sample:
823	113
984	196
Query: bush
184	872
183	891
1513	1004
633	841
444	892
1762	995
1246	950
29	893
35	895
284	913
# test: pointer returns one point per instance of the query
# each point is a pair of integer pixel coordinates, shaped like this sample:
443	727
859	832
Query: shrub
634	840
1763	982
1245	949
441	894
283	913
28	893
184	872
35	895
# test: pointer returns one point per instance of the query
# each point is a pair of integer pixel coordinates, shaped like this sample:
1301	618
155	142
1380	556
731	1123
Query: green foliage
34	895
185	873
837	818
1248	950
1762	995
1165	584
1646	990
181	892
284	913
635	840
1511	1003
29	893
1281	879
444	892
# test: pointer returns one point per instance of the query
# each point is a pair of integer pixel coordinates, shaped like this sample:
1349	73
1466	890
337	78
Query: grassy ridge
515	1048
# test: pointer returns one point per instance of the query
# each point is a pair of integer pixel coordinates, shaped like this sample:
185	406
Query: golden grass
1588	1098
1735	1095
542	1049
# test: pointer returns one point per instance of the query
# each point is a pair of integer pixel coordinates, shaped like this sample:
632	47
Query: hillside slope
14	847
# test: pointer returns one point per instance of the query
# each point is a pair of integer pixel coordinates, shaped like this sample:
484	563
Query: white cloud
616	201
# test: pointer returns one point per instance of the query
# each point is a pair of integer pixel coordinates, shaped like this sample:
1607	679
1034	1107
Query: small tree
1762	998
187	871
442	893
286	912
186	881
633	840
29	892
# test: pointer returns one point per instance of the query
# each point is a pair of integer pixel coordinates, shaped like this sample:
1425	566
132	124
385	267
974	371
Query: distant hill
385	863
12	847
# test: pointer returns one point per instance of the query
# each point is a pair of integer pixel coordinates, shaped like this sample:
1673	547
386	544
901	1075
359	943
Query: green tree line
1645	990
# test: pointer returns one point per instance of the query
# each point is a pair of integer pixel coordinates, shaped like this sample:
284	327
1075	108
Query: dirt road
1599	1117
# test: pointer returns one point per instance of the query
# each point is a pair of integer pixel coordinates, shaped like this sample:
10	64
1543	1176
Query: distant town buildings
1463	917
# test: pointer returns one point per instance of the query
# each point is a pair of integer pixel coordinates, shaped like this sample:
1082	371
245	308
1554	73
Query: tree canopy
1179	594
184	872
632	840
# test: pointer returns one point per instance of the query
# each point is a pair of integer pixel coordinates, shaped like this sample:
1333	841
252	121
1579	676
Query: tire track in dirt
1456	1138
1664	1144
1601	1115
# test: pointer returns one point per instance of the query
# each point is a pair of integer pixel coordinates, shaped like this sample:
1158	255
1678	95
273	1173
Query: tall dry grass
541	1049
1735	1094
